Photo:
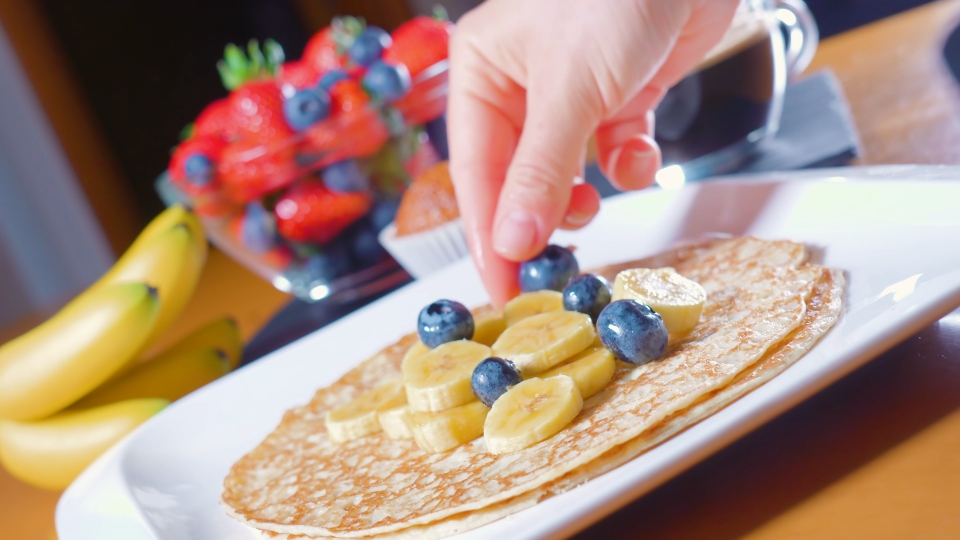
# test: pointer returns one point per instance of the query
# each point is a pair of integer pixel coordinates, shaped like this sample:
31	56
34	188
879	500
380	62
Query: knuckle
535	182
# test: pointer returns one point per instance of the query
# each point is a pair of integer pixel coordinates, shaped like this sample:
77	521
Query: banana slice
358	417
396	422
440	378
530	412
487	327
532	303
542	341
677	299
415	350
591	370
446	430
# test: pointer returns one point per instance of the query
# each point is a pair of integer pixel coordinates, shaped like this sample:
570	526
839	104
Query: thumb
536	192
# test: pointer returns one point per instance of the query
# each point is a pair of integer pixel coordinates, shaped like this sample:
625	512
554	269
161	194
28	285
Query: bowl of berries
299	168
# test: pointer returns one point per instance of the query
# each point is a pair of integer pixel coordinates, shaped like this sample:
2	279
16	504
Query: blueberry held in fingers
552	269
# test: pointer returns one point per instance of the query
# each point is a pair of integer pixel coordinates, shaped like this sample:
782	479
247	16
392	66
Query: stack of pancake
766	307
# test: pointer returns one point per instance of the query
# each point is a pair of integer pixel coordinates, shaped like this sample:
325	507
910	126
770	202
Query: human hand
530	82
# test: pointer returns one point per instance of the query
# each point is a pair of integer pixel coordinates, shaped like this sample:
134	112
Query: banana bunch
82	380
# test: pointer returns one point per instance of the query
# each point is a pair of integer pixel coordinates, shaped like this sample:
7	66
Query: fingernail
637	162
577	219
515	235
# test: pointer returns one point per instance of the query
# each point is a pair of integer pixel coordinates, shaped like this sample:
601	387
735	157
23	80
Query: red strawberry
309	212
322	53
216	119
419	43
193	166
258	111
298	74
249	169
346	96
358	133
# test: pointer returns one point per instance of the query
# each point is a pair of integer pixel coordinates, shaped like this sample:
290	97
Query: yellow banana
76	350
166	219
170	376
222	334
171	261
51	453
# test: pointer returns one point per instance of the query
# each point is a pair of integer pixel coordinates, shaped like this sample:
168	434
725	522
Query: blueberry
443	321
632	331
492	377
369	45
330	78
259	230
387	82
552	269
305	108
345	176
383	213
588	294
198	169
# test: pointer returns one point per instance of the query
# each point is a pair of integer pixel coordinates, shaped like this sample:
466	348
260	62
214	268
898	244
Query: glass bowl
390	146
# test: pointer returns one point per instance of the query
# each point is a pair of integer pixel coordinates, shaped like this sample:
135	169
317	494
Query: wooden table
876	455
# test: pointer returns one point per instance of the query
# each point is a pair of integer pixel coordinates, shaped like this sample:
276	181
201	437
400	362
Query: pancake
823	310
298	482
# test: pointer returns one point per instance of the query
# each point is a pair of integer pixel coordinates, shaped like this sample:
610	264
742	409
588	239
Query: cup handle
802	34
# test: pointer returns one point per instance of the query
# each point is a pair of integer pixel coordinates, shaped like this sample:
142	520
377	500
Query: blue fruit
305	108
443	321
383	212
259	230
198	169
345	176
552	269
492	377
588	294
387	82
369	45
632	331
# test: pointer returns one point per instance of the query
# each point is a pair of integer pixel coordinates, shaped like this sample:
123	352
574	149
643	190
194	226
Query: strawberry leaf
440	13
274	55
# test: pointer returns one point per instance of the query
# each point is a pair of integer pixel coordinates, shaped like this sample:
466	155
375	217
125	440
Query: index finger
482	138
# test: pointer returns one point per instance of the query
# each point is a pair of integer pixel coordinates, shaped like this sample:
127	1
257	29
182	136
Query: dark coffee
730	100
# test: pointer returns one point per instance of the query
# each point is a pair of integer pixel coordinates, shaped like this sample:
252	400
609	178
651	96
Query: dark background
148	68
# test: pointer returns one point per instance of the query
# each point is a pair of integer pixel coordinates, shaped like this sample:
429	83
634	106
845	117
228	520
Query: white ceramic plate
894	230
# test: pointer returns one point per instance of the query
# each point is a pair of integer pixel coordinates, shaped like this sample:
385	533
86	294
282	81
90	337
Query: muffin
427	233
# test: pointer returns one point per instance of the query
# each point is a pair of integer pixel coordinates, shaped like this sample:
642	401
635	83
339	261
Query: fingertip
634	164
584	206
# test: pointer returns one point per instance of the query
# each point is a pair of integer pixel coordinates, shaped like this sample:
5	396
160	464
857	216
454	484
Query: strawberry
193	166
298	74
358	133
309	212
249	169
216	120
419	43
258	111
347	95
322	53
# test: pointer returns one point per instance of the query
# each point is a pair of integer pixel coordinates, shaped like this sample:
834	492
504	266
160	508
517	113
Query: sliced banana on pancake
539	342
415	350
359	417
446	430
532	303
530	412
591	370
677	299
440	378
396	422
487	327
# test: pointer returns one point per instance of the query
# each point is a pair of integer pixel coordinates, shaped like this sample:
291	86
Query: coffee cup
729	105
